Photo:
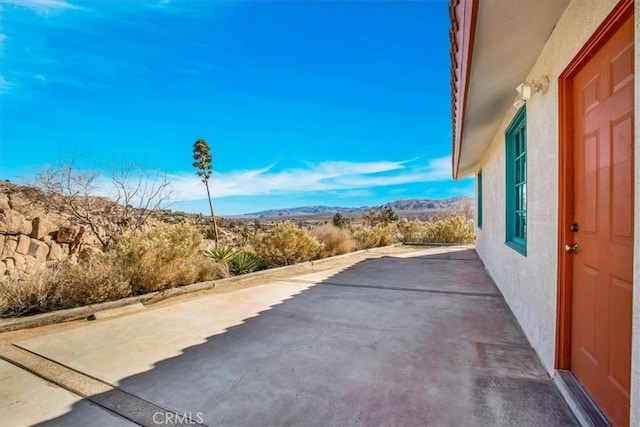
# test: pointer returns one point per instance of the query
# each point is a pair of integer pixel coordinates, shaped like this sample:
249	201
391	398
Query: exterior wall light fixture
529	88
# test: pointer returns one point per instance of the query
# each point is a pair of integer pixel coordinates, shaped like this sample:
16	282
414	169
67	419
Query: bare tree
134	195
202	162
466	208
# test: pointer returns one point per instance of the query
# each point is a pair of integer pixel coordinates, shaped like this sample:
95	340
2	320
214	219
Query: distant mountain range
412	208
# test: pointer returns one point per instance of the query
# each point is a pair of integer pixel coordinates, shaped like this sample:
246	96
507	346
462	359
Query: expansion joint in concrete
100	393
400	289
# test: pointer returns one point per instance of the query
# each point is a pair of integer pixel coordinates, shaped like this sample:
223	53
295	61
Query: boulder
32	265
19	262
10	264
66	234
41	227
56	253
78	242
23	244
39	250
10	245
4	202
12	222
18	202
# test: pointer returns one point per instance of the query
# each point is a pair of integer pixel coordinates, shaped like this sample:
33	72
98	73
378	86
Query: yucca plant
244	262
222	253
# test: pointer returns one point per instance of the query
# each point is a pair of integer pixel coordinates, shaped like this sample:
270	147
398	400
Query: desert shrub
339	220
200	268
62	286
374	236
211	270
160	258
89	282
28	294
454	228
336	241
287	244
244	262
163	257
411	231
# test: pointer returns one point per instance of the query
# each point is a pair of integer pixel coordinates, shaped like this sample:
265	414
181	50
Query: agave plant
244	262
221	253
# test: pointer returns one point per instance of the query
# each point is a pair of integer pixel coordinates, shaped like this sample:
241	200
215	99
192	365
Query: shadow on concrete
423	339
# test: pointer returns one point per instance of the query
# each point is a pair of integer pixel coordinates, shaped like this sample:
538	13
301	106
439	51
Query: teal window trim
479	195
516	182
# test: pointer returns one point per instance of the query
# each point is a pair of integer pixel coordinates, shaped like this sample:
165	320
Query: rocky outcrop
42	227
12	222
28	242
66	234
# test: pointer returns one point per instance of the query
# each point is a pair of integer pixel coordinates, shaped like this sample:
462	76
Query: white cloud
326	176
440	168
43	6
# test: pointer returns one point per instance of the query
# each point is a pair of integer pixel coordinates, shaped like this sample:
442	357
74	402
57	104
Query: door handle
572	248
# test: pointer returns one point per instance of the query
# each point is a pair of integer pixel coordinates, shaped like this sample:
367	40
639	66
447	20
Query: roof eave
463	15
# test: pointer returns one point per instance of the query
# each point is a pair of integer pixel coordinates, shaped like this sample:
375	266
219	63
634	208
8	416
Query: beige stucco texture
529	283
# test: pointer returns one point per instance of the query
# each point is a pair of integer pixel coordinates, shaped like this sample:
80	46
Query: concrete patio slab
419	340
419	272
26	399
118	348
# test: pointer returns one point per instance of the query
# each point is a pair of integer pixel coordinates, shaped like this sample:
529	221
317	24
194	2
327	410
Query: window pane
516	173
519	204
479	213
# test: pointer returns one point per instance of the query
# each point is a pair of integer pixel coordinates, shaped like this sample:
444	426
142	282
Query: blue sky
302	102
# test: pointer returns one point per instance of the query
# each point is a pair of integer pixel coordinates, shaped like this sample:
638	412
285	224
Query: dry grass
336	241
164	257
25	295
90	282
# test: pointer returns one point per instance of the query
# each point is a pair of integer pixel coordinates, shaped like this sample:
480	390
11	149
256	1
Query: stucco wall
529	284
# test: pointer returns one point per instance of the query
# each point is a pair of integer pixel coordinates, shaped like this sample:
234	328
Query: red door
603	117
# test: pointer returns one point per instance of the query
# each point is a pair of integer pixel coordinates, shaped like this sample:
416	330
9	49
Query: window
516	177
479	195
